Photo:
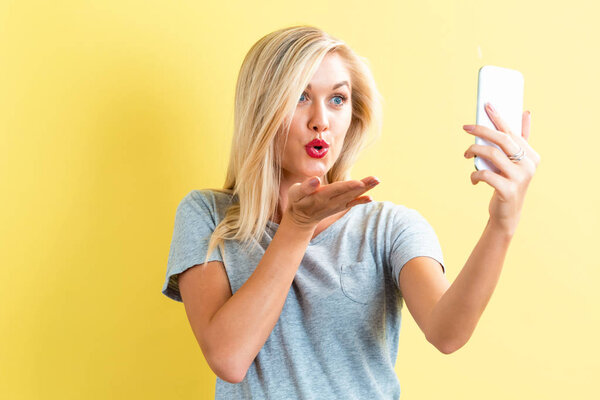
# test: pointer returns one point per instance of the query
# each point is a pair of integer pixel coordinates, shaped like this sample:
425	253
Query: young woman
292	278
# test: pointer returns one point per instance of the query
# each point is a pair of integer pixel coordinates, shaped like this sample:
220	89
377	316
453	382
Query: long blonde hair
272	77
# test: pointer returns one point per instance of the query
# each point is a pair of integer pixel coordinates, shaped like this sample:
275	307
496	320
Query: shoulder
396	219
210	197
213	202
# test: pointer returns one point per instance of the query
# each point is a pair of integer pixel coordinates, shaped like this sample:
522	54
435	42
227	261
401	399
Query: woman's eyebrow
337	85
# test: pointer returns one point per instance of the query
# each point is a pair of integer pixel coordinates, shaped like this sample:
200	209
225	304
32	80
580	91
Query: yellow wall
111	111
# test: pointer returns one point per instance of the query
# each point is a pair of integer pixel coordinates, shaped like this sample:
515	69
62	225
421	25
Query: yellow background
112	111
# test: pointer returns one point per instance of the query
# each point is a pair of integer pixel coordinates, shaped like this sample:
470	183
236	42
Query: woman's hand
511	185
309	204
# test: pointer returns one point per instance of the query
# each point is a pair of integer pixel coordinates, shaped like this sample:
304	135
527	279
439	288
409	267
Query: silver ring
518	156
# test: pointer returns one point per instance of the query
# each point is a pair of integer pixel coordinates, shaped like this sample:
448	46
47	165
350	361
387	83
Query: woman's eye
342	99
340	102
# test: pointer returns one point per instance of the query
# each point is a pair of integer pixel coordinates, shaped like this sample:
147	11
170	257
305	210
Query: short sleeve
194	224
412	236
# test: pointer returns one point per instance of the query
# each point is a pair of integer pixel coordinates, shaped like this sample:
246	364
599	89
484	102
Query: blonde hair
272	77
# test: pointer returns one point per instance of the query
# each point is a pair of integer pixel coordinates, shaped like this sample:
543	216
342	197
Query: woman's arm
240	328
448	315
454	317
243	324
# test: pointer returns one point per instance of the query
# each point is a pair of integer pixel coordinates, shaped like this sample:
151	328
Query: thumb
300	190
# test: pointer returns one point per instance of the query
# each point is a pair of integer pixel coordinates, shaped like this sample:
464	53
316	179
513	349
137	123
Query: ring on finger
518	156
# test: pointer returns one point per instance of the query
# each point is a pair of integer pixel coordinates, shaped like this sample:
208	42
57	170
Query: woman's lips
316	153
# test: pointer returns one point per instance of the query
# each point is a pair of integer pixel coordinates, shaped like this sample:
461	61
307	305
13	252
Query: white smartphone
503	88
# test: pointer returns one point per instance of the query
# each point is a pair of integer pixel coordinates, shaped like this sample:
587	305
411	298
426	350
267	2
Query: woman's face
324	112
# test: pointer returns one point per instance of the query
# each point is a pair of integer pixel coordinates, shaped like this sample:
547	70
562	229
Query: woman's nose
318	121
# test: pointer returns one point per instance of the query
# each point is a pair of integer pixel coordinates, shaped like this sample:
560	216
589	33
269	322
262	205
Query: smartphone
503	88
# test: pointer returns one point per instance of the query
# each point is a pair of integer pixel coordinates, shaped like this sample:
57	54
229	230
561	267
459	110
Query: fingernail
491	108
469	127
314	182
373	182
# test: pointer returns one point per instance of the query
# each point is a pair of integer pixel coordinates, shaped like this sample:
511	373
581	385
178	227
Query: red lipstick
317	148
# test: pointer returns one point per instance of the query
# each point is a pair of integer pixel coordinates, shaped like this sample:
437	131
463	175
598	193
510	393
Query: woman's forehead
331	74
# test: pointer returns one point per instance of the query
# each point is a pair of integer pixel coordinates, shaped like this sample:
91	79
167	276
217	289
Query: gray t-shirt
337	335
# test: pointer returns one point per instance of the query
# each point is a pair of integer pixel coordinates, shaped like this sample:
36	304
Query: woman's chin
315	172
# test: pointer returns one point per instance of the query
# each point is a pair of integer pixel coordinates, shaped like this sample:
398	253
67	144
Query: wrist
501	229
302	228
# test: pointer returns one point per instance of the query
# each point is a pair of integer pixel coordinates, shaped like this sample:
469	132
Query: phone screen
503	88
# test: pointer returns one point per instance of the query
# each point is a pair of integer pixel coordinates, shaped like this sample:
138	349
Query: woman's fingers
496	156
370	181
354	188
351	200
300	190
359	200
503	186
498	122
506	142
336	189
337	195
503	136
509	143
531	153
526	125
